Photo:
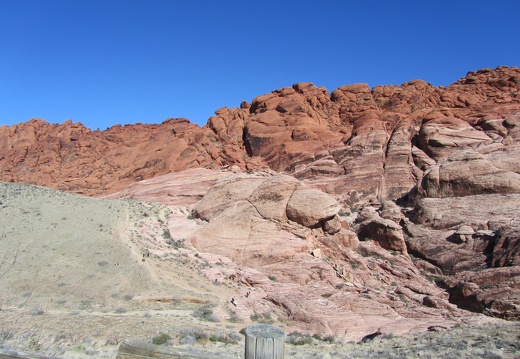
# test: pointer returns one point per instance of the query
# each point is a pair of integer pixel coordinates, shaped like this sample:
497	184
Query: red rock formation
453	152
73	158
354	139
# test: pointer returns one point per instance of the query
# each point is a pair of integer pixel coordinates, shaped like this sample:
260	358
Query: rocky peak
401	131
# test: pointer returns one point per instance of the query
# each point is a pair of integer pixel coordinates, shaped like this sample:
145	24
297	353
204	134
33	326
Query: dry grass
490	341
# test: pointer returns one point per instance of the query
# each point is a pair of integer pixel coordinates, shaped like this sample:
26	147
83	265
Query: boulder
493	291
390	210
347	239
444	136
506	251
333	225
468	173
464	234
309	207
384	231
225	194
270	197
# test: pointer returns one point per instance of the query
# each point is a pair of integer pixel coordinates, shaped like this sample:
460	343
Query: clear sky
103	62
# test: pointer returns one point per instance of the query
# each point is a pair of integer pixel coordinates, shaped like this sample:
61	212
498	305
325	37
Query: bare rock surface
304	272
474	241
356	143
309	207
389	209
469	173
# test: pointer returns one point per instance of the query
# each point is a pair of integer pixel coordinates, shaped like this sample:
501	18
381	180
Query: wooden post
264	341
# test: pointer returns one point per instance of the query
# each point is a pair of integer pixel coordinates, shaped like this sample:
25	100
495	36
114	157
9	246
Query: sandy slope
73	275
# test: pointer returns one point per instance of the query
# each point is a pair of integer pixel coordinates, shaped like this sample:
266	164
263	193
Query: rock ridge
300	130
429	178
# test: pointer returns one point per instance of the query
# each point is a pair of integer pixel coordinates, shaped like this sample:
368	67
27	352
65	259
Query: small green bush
160	339
166	234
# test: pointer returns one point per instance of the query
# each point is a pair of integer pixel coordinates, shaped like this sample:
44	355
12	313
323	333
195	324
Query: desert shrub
206	313
161	338
176	300
192	334
34	343
226	338
262	318
175	244
327	338
6	334
234	318
235	336
255	317
86	304
297	338
213	338
187	340
166	234
37	311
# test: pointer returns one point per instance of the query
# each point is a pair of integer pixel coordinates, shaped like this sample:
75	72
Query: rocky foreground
392	209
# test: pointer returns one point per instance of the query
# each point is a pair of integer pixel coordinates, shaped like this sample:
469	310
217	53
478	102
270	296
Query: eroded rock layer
428	177
353	142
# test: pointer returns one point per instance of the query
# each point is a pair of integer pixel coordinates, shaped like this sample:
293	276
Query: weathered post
264	341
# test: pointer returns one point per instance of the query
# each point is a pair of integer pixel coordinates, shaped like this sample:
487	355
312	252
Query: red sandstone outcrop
471	240
312	271
453	154
70	157
354	142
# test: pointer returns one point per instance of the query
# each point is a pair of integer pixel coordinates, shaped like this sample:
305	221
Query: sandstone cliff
428	171
353	142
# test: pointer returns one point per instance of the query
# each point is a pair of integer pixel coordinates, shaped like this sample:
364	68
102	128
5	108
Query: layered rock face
70	157
355	142
292	248
428	171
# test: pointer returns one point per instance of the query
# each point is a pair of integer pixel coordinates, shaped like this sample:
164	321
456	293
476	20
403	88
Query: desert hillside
391	210
79	275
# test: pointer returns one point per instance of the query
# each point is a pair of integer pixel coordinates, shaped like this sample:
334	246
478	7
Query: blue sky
108	62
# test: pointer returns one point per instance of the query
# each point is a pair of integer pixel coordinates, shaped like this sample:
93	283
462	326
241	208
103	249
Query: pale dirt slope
73	281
